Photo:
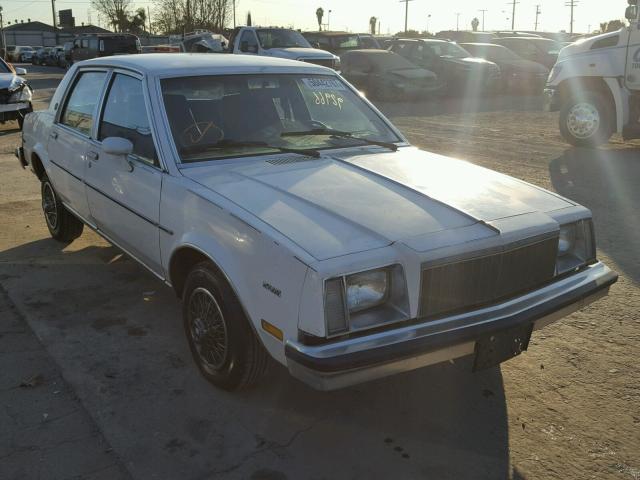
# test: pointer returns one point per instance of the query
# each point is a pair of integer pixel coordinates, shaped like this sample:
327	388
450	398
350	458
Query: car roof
537	39
155	64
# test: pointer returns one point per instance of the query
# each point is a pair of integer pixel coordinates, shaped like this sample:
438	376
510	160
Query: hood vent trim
288	160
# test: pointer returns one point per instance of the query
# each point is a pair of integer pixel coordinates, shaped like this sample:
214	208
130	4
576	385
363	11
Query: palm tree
373	22
320	14
249	19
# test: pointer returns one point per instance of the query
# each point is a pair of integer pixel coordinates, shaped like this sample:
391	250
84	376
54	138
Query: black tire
233	357
62	224
596	125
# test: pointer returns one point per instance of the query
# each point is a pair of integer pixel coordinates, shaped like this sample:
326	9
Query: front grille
323	62
481	281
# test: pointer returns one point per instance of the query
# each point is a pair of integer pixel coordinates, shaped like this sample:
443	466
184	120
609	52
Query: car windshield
4	68
213	117
345	41
448	49
278	38
492	52
385	62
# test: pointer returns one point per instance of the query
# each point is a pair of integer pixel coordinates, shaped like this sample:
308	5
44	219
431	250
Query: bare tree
373	22
474	24
319	15
179	16
115	11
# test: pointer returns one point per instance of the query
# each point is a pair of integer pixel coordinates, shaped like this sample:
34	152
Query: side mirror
21	71
244	46
631	12
117	146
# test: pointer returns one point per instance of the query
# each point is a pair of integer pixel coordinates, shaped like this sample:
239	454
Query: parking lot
107	388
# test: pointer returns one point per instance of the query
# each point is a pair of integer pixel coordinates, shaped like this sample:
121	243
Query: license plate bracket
497	347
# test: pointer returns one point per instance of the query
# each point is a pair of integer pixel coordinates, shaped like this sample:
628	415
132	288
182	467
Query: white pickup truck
281	43
296	222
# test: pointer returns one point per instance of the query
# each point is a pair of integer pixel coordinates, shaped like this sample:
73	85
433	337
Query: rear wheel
586	120
62	224
222	342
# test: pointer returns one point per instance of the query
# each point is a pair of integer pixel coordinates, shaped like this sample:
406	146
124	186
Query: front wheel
62	224
586	120
222	342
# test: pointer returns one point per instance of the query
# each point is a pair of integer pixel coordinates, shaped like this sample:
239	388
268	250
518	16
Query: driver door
632	67
124	191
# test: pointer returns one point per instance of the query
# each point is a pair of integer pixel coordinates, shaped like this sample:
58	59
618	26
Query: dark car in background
536	49
457	68
51	58
368	41
517	72
334	42
104	45
38	55
385	75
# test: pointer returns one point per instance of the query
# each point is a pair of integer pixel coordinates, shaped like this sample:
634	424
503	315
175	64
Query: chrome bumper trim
347	362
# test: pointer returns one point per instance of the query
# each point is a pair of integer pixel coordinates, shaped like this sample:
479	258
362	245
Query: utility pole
538	12
406	13
428	18
234	13
149	18
4	44
483	10
458	21
513	14
572	4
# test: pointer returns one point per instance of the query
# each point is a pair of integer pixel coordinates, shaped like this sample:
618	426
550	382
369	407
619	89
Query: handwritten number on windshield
328	99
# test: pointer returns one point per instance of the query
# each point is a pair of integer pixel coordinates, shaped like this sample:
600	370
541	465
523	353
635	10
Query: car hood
298	52
524	66
584	45
342	204
414	73
7	78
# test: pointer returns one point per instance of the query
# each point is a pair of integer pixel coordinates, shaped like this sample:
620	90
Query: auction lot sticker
324	83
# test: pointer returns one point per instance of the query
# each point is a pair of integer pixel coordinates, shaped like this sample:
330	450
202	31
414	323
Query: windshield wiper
248	143
340	134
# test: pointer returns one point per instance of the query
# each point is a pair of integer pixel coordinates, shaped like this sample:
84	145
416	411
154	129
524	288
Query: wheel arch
37	165
609	88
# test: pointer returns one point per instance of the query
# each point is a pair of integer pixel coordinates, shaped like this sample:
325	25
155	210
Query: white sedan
296	222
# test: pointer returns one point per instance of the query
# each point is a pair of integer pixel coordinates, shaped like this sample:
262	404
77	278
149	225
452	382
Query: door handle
92	155
53	135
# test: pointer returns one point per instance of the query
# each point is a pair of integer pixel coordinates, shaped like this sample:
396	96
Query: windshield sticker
324	84
329	99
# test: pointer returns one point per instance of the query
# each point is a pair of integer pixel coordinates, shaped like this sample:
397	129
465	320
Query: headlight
23	95
365	299
576	246
366	290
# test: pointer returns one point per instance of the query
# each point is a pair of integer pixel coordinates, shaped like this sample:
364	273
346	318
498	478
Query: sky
353	15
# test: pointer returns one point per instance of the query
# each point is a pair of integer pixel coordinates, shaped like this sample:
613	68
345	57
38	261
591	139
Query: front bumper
355	360
551	100
14	111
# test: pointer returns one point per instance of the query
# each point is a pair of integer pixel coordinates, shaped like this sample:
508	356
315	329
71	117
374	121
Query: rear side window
79	110
125	116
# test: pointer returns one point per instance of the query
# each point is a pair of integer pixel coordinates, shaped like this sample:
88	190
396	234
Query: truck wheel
62	224
586	121
222	342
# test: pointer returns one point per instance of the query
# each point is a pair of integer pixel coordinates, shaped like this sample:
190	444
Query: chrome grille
480	281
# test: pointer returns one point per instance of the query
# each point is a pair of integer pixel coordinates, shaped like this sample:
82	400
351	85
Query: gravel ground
569	408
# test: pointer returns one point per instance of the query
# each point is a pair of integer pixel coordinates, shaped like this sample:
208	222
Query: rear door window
79	110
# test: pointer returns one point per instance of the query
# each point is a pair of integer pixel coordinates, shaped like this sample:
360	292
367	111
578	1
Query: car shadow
605	180
116	332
